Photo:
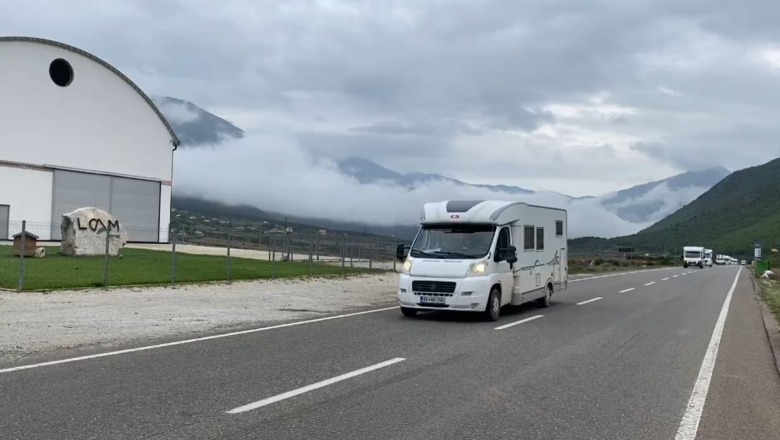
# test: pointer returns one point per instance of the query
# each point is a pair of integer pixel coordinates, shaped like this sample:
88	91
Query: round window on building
61	72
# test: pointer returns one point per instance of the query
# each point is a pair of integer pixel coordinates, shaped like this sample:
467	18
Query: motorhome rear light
454	216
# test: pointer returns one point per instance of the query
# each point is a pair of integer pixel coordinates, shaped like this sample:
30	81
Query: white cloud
274	173
667	199
178	112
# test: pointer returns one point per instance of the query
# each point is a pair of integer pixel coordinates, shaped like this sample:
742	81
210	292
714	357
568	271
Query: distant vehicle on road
743	262
708	257
478	256
693	256
721	259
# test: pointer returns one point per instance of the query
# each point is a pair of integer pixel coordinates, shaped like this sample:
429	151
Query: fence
201	255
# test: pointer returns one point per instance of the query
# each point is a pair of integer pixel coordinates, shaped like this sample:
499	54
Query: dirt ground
37	323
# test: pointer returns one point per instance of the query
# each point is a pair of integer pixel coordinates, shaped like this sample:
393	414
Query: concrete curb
770	323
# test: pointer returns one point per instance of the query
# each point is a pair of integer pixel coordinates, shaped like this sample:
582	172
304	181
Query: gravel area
36	323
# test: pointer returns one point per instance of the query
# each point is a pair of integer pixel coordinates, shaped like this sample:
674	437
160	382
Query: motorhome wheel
547	298
493	306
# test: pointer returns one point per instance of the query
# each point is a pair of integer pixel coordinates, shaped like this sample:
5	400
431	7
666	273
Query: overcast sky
581	97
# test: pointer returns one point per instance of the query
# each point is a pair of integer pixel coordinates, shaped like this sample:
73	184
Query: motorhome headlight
407	267
477	268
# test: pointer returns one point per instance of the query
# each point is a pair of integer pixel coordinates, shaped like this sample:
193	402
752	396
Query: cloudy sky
576	96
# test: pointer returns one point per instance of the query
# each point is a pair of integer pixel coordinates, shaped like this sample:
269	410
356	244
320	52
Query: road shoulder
745	388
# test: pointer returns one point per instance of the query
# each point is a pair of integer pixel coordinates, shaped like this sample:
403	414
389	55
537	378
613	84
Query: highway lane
619	367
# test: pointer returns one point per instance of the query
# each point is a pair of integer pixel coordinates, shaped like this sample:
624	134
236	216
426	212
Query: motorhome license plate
431	299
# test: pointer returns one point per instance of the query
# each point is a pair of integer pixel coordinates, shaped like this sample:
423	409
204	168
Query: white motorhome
693	256
721	259
708	257
478	256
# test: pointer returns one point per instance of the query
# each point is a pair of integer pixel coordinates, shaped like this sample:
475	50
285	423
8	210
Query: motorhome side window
528	238
539	239
503	239
559	228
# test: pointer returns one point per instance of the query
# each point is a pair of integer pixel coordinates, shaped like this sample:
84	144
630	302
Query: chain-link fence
33	256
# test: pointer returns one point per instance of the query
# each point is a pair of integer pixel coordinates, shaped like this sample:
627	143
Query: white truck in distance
708	257
478	256
693	256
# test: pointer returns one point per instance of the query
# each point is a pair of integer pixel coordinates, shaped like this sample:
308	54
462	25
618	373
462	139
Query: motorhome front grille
433	286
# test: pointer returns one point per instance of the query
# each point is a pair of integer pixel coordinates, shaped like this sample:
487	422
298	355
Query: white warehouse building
76	132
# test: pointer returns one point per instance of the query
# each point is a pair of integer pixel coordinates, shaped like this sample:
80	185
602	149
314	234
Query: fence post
105	263
273	260
351	252
229	238
343	255
20	285
173	257
395	260
317	245
311	258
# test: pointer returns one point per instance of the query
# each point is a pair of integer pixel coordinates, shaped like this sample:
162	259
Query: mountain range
739	210
641	204
638	204
194	126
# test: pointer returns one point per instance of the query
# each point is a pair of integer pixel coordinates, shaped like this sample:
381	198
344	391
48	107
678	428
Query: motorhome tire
547	298
409	313
493	306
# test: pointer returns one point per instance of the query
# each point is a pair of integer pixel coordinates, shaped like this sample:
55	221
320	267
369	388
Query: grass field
770	291
146	267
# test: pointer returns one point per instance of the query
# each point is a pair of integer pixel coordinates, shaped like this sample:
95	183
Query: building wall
98	122
28	192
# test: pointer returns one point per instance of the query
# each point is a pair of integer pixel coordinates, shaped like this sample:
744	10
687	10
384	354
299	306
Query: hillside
251	213
729	218
638	204
194	126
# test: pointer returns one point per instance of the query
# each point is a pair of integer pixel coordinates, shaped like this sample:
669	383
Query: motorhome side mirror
508	254
400	251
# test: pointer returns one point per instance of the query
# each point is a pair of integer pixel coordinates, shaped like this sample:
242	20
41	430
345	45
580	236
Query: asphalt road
619	367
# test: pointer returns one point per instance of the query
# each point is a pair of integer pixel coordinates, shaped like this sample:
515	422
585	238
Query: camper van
708	257
693	256
478	256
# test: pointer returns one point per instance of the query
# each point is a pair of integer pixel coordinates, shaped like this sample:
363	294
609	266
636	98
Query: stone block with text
84	233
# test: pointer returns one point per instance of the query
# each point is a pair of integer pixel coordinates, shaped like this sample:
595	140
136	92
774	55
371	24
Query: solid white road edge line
626	290
690	421
188	341
517	322
589	301
650	283
306	389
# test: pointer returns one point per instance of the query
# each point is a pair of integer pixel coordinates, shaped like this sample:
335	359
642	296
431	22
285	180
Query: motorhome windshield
692	254
453	241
